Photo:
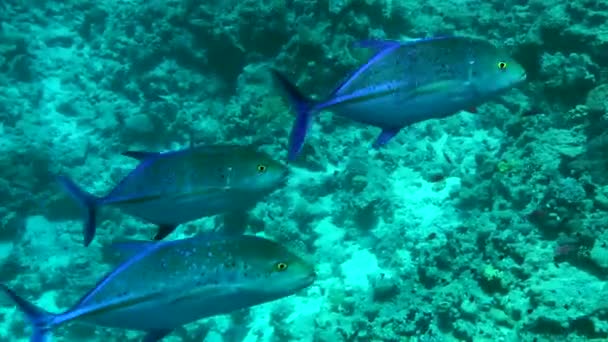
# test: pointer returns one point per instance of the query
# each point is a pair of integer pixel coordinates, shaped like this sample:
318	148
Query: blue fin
163	231
385	136
140	155
88	202
131	247
381	44
304	108
383	48
41	320
156	335
376	44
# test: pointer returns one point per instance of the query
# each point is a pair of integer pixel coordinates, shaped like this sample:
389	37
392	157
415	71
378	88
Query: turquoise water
485	226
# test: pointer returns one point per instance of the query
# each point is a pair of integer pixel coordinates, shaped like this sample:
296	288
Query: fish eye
502	65
261	168
280	266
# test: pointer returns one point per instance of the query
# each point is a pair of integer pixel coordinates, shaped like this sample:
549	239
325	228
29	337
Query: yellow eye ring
502	65
261	168
281	266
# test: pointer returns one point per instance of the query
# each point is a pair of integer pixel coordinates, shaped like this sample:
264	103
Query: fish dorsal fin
380	45
132	252
128	248
376	44
382	48
140	155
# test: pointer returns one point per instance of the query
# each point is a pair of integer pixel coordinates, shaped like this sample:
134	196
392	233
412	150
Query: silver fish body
409	82
171	188
164	285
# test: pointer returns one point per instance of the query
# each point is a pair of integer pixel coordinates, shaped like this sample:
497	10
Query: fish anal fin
385	136
163	231
156	335
140	155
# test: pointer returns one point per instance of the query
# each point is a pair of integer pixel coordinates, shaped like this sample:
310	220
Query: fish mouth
306	281
523	76
311	278
284	176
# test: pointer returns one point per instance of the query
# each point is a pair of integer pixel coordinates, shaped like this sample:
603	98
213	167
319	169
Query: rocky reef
479	227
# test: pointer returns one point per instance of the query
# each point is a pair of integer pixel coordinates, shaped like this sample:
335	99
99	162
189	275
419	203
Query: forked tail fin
88	202
304	108
40	319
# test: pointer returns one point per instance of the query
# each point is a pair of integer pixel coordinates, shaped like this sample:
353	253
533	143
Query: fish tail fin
41	320
304	108
88	201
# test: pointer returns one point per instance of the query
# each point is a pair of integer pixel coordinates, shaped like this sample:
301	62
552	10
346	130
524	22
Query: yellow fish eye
261	168
280	266
502	65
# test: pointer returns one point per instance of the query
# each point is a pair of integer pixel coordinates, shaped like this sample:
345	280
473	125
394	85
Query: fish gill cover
486	226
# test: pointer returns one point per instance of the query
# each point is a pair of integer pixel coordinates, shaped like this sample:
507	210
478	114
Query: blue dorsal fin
128	248
376	44
131	252
380	44
381	48
140	155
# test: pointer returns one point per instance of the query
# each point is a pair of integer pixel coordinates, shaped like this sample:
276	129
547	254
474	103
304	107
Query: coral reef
478	227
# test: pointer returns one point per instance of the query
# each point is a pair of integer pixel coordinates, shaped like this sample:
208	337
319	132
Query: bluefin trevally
407	82
171	188
163	285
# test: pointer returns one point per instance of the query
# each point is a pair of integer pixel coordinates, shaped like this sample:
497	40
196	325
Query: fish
163	285
406	82
171	188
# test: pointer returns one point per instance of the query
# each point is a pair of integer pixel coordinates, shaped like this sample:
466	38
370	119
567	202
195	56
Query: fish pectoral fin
140	155
156	335
164	230
385	136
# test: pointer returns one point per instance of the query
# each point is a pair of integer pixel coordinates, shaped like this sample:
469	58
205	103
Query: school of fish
161	285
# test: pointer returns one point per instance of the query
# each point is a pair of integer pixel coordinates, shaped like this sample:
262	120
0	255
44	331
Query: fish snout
312	277
523	76
285	175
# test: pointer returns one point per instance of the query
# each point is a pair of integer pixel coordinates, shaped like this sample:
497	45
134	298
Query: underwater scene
307	171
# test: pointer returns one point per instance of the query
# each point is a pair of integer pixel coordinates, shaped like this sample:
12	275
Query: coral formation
478	227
